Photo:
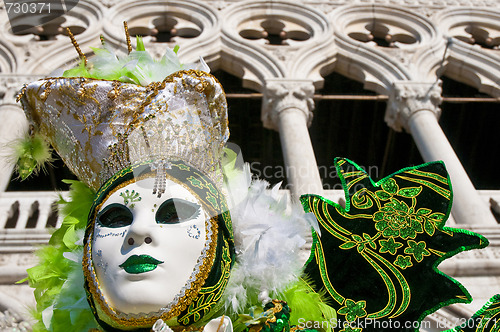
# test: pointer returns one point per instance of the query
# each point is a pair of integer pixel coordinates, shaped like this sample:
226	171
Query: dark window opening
356	130
13	215
34	215
261	147
472	129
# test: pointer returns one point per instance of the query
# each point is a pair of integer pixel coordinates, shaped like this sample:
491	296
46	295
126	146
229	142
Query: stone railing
25	218
28	210
37	210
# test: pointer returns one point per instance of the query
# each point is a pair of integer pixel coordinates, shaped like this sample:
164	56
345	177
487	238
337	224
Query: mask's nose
147	240
140	232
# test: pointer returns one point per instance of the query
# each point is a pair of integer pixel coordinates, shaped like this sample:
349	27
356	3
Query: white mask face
145	248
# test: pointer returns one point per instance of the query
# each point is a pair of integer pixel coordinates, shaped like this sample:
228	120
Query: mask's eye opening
176	210
114	216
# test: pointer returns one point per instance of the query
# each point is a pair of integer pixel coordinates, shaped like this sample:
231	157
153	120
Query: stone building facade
399	50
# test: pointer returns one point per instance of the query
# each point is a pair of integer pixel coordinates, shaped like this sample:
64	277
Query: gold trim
21	93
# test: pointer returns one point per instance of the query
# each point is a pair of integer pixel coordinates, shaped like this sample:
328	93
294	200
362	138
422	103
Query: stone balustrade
30	212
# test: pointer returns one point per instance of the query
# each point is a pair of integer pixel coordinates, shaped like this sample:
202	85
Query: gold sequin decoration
112	94
46	92
21	93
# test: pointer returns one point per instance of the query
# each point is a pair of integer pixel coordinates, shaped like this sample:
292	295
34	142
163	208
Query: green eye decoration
129	197
175	210
114	216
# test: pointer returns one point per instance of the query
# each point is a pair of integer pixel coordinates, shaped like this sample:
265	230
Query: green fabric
377	258
485	320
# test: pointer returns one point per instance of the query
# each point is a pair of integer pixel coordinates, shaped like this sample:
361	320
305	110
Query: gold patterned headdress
99	127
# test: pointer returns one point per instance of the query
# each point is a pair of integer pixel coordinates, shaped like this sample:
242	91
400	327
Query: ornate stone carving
194	26
263	35
10	85
414	3
283	54
11	321
473	35
281	95
385	44
219	4
110	3
407	98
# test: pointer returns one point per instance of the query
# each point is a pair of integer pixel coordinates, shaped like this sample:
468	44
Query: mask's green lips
136	264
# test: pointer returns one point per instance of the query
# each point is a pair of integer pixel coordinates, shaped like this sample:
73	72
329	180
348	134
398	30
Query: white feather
268	237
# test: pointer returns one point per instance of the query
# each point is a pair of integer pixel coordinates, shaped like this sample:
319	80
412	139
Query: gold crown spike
75	44
100	127
127	36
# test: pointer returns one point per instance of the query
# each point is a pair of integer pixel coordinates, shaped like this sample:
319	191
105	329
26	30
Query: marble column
287	108
13	125
415	107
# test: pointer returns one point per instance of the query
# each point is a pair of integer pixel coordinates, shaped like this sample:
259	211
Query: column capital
284	94
407	98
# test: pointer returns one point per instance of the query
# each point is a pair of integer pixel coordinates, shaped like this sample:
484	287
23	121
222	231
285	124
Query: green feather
308	305
140	44
80	71
137	67
31	154
57	281
76	211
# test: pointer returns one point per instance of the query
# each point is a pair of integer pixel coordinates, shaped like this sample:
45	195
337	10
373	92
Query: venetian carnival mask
146	247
